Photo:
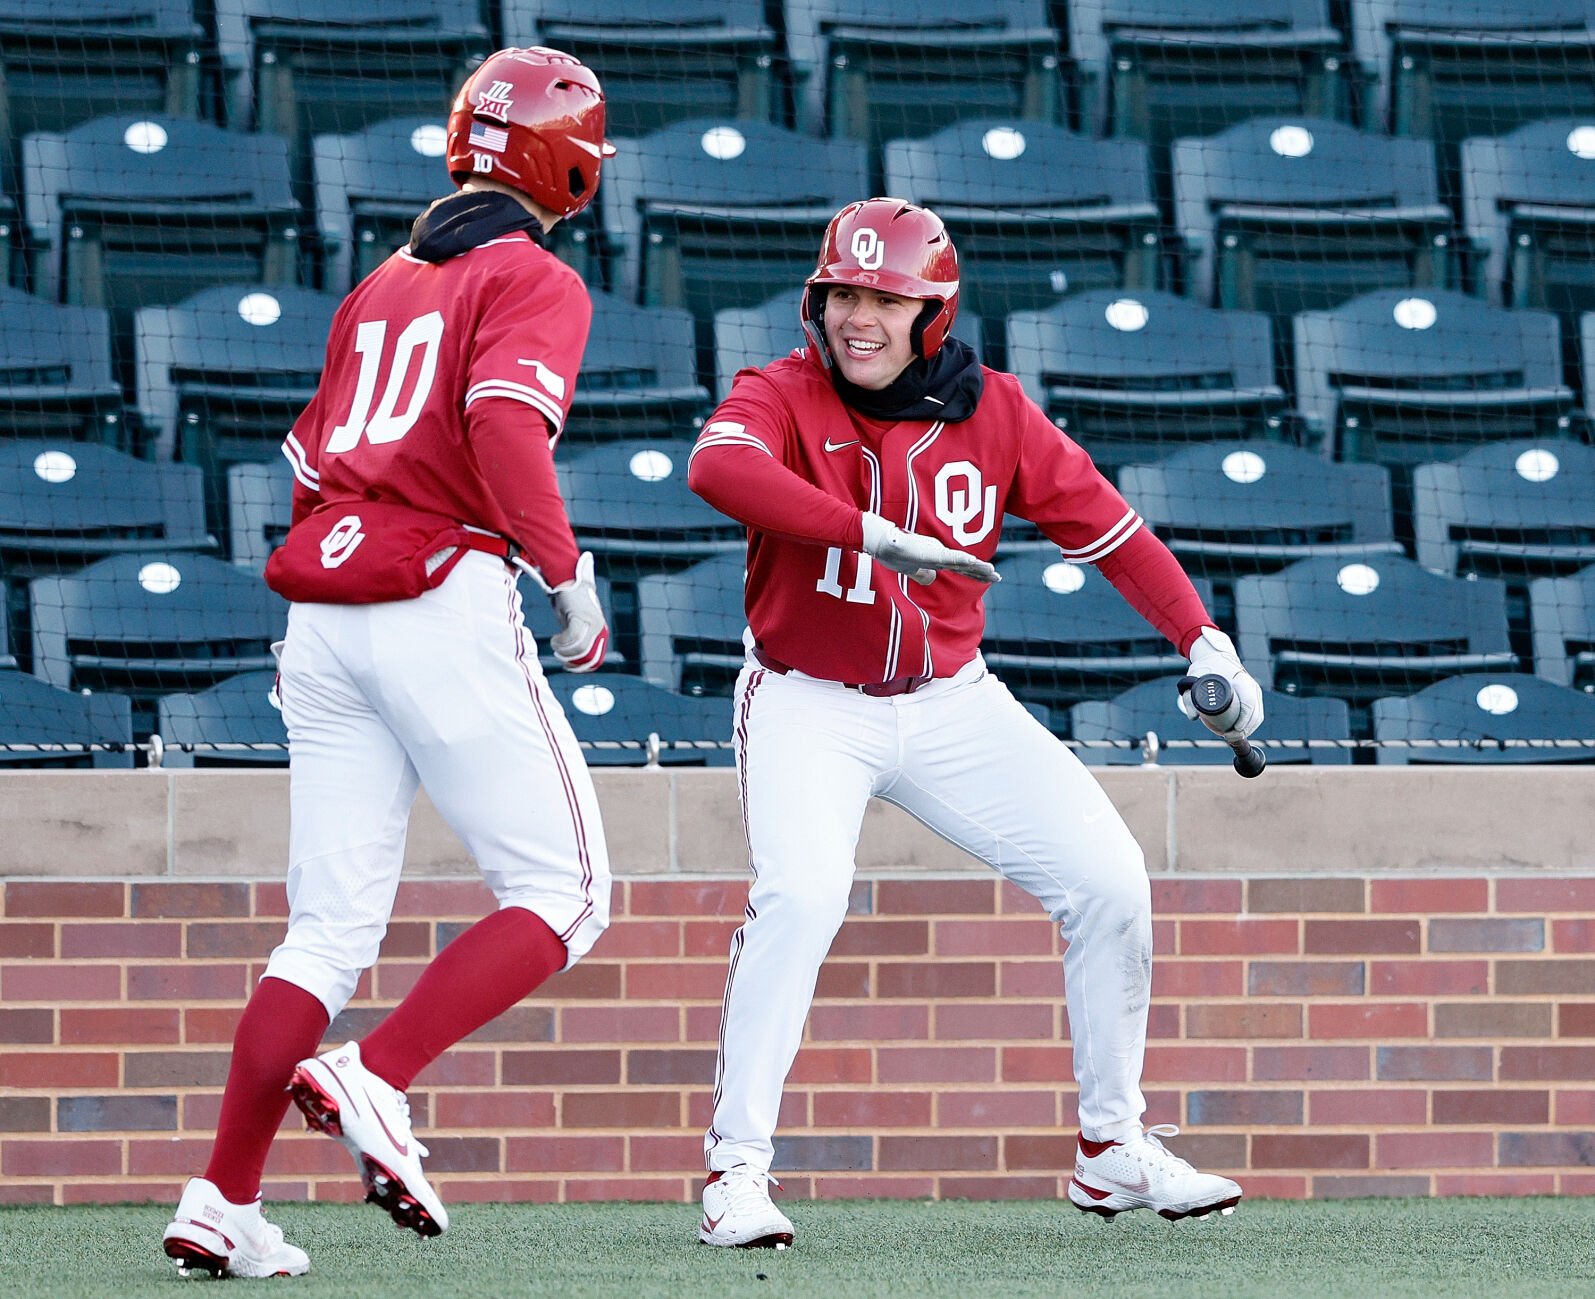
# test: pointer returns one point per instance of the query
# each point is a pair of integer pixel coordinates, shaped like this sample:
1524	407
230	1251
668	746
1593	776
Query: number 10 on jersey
861	592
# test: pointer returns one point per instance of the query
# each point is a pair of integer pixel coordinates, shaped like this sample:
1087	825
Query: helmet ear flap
813	314
927	315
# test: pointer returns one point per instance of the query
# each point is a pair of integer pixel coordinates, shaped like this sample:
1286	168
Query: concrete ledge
1295	820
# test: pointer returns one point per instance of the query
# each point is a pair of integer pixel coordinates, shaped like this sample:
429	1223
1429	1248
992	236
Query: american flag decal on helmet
493	138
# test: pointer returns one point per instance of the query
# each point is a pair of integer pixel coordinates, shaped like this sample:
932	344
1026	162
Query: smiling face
869	333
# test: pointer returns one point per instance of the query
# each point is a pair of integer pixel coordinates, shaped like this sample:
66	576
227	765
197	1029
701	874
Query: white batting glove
1213	654
920	557
583	635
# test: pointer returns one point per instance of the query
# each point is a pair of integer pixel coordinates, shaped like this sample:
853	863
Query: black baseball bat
1212	697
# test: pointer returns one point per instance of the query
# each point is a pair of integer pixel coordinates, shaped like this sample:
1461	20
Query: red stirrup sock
475	979
280	1027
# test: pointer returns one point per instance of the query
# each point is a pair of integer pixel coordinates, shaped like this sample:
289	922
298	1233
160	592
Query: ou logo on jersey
868	248
342	541
963	504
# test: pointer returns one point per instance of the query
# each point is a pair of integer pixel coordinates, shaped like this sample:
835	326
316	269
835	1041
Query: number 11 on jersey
861	592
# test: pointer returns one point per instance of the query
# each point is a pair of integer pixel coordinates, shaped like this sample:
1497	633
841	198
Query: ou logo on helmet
868	248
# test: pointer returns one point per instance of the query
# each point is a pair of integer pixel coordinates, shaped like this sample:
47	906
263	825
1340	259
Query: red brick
270	899
588	980
1424	897
461	1068
689	1067
61	1158
1277	1187
1244	1019
1530	977
30	1070
516	1026
1305	978
872	1109
566	1154
123	1025
561	1065
703	1024
1351	1107
1380	1021
1491	934
704	937
129	938
1546	1149
1492	1019
833	1064
988	1109
18	1194
1429	978
302	1153
657	938
55	982
511	1190
869	1022
1513	1184
1003	1187
883	938
1184	896
1390	1186
500	1108
937	897
1033	978
995	1021
24	1113
206	1024
1360	937
1552	1063
175	1068
1575	1108
30	1026
440	899
17	939
1050	1064
619	1024
695	898
872	1188
1573	937
924	1064
1434	1063
675	981
1295	895
245	938
163	900
907	1154
996	937
1293	1150
1575	1019
1310	1063
1052	1152
1238	937
1170	1064
628	1110
187	982
665	1154
847	980
1545	895
1247	1107
1494	1107
1174	978
586	1190
56	898
1426	1150
935	979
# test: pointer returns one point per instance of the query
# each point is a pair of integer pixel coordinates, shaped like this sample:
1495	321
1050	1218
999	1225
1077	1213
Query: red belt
874	689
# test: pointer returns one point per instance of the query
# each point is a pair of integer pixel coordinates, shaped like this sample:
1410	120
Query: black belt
874	689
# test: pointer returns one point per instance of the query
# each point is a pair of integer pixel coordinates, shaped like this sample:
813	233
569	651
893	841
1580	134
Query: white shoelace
1159	1153
746	1188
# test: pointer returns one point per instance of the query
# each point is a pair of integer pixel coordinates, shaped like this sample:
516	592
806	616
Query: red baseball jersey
413	348
833	612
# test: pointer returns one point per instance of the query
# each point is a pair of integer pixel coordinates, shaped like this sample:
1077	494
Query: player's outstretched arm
918	556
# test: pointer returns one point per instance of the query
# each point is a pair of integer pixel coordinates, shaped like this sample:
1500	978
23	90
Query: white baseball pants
965	758
444	690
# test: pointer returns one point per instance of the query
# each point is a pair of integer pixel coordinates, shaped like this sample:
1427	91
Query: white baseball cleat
209	1233
1140	1173
737	1211
341	1097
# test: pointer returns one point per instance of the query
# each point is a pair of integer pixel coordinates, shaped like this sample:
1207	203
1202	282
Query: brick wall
1313	1035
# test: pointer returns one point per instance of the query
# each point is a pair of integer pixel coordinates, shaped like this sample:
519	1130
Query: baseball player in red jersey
424	477
872	469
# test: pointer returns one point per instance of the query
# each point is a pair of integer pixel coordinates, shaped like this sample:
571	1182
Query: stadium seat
1151	708
1130	375
128	211
33	713
670	60
755	336
1057	633
1465	718
152	623
1034	212
1444	70
691	626
1231	508
1562	610
1288	214
223	375
705	218
56	378
1399	377
1156	70
1361	629
638	376
8	646
299	70
65	503
259	510
239	710
1511	509
537	612
875	72
626	721
63	62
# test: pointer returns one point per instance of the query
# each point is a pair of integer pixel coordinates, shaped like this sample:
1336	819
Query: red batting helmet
894	246
533	119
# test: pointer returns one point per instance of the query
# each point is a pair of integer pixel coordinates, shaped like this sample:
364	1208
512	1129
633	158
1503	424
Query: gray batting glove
920	557
1213	654
583	635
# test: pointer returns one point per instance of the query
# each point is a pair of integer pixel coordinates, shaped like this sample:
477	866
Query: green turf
1436	1249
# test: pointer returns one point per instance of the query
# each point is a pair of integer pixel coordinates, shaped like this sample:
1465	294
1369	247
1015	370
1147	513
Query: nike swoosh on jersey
837	446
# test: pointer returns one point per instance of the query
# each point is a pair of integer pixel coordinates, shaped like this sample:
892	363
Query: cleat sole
191	1260
1222	1207
388	1193
319	1108
776	1240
